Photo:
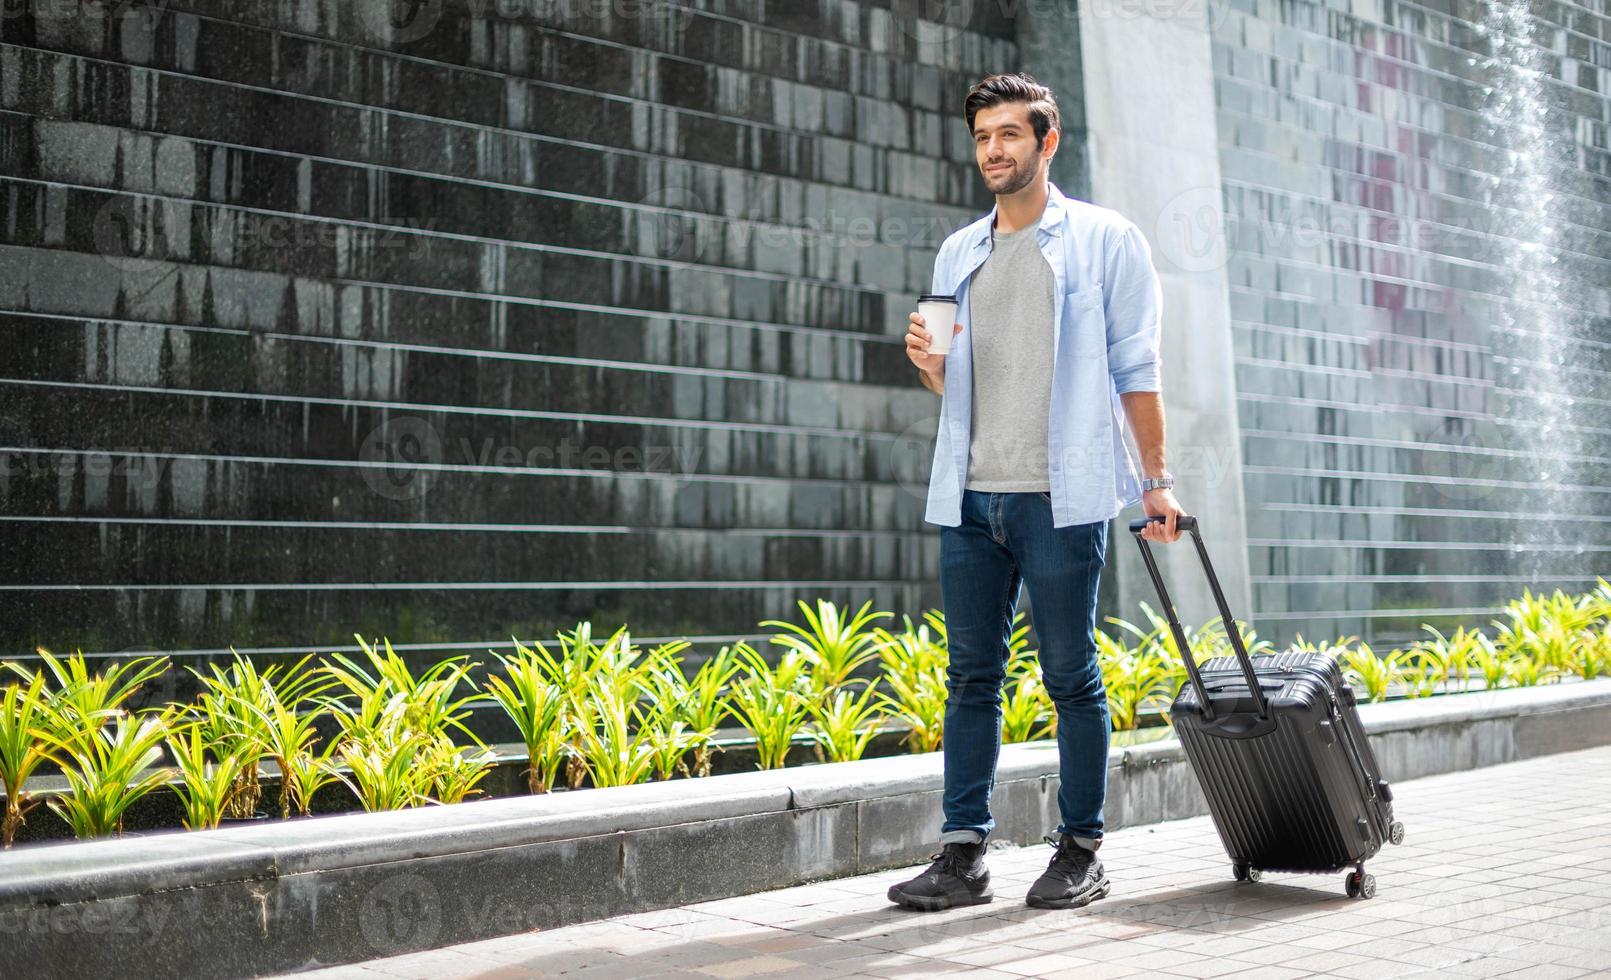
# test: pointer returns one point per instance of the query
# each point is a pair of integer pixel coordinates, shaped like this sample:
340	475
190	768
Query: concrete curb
284	896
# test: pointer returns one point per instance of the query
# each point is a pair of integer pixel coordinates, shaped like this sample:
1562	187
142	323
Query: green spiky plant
24	717
1489	662
1026	711
108	767
455	770
230	710
832	644
772	702
669	696
205	785
914	663
1372	675
1212	639
1597	604
386	771
1528	672
845	723
432	701
370	716
1334	649
1454	657
307	773
81	700
1420	672
615	746
1539	613
1135	680
1157	640
585	666
288	736
707	701
529	693
1592	657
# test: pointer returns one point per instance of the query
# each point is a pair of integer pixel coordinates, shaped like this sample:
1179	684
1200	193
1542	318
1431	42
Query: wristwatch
1165	482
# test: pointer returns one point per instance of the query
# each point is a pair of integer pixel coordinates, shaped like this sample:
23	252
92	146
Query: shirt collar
1051	220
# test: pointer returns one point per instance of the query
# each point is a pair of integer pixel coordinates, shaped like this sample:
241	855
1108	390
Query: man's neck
1021	209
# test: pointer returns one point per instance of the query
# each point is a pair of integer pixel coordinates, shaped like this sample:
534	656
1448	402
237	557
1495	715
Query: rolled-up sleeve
1134	301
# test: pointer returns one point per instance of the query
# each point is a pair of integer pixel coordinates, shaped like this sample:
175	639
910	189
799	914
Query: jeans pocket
1044	495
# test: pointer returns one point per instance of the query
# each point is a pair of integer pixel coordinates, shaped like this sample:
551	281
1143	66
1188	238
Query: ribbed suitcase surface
1288	772
1303	794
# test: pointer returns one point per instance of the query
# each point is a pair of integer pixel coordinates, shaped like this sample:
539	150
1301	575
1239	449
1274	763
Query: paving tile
1441	909
1546	971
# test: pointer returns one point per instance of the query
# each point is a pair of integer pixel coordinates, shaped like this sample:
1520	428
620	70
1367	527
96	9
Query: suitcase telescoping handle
1185	522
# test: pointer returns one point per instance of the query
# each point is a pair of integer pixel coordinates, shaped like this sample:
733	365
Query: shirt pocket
1084	323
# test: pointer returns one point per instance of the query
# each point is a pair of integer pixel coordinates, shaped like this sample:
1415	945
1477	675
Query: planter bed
332	889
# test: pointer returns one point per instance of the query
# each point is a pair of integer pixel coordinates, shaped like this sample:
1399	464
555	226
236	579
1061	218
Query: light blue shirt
1105	336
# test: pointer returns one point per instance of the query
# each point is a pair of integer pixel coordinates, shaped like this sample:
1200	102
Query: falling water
1535	322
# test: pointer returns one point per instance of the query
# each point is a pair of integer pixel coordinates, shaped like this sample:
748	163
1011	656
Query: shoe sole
928	903
1075	902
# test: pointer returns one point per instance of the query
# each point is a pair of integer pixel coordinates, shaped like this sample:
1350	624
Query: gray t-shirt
1011	315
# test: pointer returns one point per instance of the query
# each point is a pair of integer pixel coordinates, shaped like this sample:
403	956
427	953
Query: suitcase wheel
1360	885
1244	872
1395	832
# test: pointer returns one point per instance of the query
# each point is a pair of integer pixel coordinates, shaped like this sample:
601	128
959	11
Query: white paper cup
939	315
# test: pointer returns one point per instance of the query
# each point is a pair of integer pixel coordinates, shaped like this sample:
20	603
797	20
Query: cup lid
936	298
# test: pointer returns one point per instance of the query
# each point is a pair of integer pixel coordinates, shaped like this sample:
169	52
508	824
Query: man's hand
1156	502
917	346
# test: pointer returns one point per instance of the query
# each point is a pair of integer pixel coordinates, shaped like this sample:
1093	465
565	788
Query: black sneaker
1074	877
958	876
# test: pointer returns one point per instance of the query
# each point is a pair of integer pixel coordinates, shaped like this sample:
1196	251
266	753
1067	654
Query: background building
477	319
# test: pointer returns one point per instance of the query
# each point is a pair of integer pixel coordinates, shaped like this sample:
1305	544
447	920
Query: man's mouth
998	166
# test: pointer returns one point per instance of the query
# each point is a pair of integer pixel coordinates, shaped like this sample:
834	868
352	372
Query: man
1059	310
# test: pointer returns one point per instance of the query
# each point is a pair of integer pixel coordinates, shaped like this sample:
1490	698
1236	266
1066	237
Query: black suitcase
1279	751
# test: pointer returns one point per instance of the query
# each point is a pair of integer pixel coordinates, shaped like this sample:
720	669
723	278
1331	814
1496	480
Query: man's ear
1053	138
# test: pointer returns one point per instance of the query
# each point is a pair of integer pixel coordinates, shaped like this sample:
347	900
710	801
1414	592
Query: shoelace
1070	856
949	860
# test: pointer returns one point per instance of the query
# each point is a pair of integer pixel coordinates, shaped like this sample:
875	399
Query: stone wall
497	316
473	323
1419	259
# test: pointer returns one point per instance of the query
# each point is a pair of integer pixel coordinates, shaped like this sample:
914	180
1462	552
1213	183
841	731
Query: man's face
1004	144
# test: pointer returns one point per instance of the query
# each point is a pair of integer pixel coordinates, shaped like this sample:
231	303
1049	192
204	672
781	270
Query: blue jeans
1004	541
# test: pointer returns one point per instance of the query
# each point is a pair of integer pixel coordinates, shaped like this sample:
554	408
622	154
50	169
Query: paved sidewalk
1505	871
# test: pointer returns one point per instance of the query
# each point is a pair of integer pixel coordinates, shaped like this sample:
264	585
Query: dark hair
999	89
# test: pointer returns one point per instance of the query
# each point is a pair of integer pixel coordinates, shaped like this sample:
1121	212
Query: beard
1014	180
